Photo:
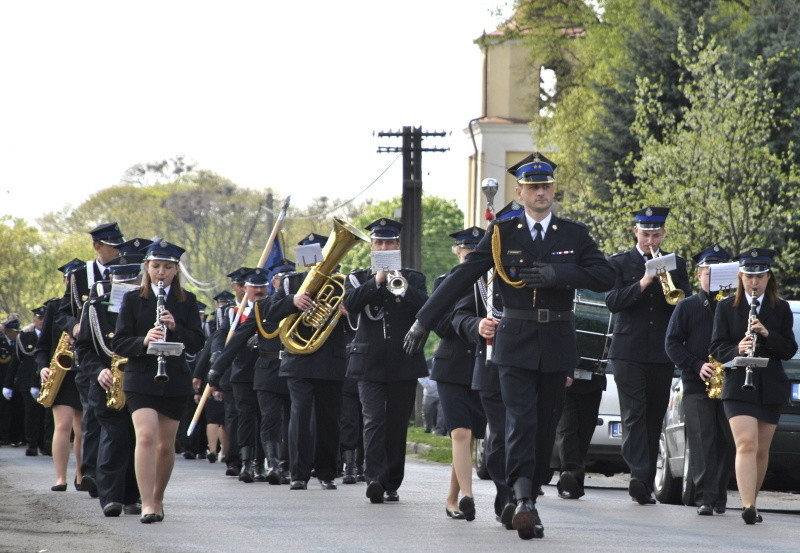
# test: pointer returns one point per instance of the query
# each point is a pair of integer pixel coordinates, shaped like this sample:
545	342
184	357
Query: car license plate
616	430
795	391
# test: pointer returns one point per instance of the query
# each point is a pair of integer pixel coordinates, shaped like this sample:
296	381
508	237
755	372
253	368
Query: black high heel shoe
458	515
467	506
77	486
58	488
749	515
149	518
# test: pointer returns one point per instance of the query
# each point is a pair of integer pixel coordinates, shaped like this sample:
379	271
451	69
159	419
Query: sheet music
387	260
724	276
308	255
119	289
661	264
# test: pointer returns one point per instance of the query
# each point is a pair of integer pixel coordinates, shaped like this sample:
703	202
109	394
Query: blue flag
274	257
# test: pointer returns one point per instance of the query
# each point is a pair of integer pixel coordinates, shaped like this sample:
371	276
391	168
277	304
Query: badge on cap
716	247
163	244
383	222
475	232
648	212
754	253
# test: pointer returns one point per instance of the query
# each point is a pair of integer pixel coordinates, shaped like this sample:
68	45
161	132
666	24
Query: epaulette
96	300
503	221
618	253
576	223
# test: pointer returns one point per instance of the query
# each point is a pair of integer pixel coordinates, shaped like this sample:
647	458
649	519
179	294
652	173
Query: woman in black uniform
453	363
156	407
754	414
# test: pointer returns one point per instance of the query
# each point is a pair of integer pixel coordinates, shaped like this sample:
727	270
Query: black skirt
68	393
169	406
215	411
769	413
462	408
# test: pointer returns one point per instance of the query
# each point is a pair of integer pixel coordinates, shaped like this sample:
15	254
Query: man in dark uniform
708	434
115	476
315	380
106	239
12	416
242	354
23	378
387	375
642	370
539	259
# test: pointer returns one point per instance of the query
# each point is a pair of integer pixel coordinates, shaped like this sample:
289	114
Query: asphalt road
208	512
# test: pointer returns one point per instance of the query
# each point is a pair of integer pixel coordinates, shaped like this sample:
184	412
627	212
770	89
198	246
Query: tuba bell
306	332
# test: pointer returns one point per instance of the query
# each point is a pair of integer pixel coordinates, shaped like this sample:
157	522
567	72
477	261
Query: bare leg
62	427
145	423
212	436
745	436
462	459
452	494
167	429
765	433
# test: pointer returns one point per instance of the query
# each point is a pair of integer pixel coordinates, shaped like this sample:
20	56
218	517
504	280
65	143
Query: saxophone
59	365
716	380
115	397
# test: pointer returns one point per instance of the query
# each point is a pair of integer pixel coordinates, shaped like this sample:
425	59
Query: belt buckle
542	315
280	354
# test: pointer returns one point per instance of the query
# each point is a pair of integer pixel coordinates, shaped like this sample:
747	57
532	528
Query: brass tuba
115	396
306	332
716	380
672	295
59	365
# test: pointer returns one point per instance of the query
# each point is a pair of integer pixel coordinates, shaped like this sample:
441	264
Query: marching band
315	377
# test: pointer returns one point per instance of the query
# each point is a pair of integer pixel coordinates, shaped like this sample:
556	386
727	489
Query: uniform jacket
329	361
688	340
373	355
97	330
137	315
79	284
454	357
730	326
523	343
51	333
22	373
640	317
467	315
241	352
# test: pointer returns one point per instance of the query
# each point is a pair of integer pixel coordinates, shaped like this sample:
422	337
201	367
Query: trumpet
161	374
672	295
396	283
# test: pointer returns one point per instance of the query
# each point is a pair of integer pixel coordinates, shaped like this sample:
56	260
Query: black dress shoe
507	516
328	484
112	509
539	490
569	483
391	495
705	510
245	475
749	515
759	518
719	508
58	488
639	492
78	487
189	455
467	506
89	485
566	495
375	492
233	468
149	518
211	457
526	520
132	509
458	515
298	485
31	452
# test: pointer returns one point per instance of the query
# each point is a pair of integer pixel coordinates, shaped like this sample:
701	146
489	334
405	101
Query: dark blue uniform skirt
462	408
68	393
171	407
769	413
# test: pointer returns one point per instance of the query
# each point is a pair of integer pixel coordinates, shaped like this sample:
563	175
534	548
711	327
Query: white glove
35	392
7	393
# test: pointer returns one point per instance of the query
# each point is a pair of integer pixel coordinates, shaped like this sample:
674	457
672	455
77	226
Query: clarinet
748	385
161	374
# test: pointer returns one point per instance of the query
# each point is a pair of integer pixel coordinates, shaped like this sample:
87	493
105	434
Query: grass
440	451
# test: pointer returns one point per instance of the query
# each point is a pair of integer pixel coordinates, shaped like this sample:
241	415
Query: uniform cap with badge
128	265
534	169
237	276
162	250
71	266
256	277
224	297
650	218
281	268
756	261
469	237
384	229
711	255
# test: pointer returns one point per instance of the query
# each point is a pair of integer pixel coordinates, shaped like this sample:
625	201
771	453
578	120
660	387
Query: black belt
270	354
538	315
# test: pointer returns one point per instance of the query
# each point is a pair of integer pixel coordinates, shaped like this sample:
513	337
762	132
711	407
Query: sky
288	95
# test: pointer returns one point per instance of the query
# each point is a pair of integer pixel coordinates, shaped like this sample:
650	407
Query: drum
593	330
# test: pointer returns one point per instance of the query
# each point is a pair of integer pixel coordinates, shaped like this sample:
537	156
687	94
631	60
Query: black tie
105	274
756	303
538	242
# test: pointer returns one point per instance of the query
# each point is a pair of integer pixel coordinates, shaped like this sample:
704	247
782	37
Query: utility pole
411	211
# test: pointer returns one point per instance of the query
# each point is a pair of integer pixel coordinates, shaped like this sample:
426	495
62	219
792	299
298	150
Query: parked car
673	474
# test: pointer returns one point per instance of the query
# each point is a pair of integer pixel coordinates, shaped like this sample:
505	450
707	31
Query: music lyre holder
169	349
754	362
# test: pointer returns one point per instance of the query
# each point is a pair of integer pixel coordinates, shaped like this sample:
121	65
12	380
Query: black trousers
387	408
574	431
275	412
197	442
231	422
495	452
34	421
90	428
248	429
115	475
643	396
316	446
710	448
351	424
534	400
